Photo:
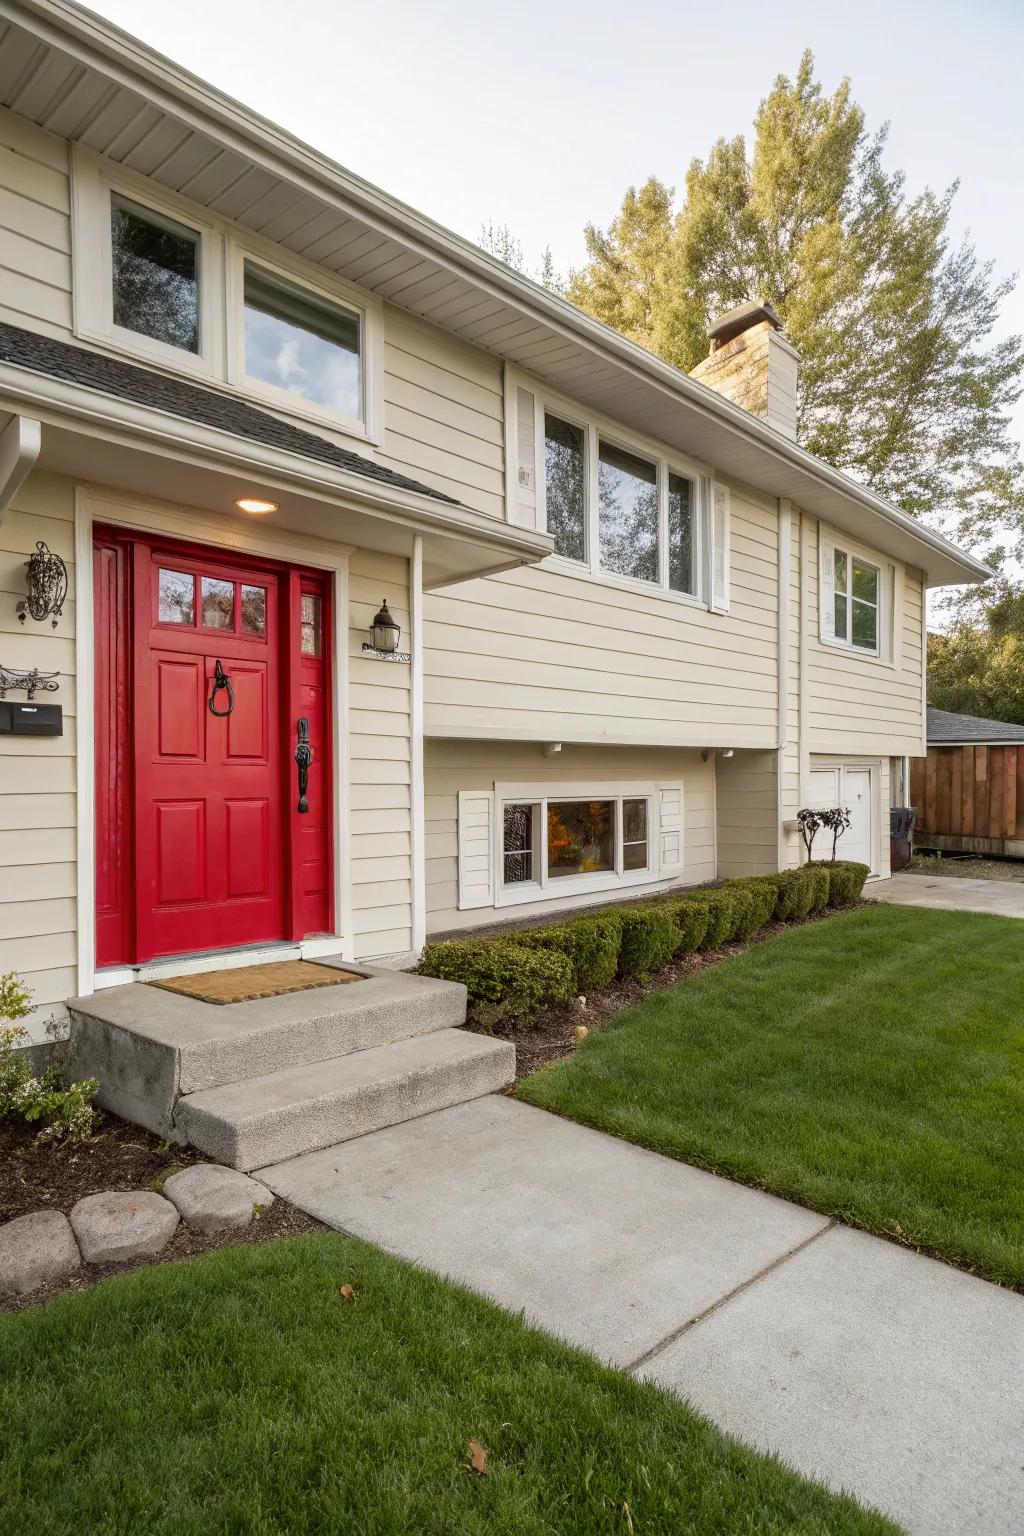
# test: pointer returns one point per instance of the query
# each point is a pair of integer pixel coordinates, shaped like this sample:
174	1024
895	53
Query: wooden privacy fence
969	799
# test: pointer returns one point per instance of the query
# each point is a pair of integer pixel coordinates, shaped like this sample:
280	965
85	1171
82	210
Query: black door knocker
303	758
221	680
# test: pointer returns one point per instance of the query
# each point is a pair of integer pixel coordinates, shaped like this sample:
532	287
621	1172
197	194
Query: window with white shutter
827	588
476	848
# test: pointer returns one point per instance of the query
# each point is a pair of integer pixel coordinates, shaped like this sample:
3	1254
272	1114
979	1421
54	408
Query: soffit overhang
78	76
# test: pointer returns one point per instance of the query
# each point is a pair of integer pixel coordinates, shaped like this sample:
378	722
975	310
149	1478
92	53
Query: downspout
803	755
784	536
417	801
20	443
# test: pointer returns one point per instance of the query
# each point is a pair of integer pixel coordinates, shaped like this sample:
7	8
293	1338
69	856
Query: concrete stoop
257	1082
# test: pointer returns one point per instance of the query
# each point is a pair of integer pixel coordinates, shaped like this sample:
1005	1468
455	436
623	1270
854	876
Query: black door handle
221	680
303	758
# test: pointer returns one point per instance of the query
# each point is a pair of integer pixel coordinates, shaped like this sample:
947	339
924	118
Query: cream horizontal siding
451	766
37	776
380	799
35	227
864	706
747	817
443	413
541	652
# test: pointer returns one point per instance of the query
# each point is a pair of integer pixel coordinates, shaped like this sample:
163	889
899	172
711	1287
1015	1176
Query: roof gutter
119	54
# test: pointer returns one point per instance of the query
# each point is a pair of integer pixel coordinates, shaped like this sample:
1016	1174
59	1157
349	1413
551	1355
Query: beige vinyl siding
443	413
380	819
37	776
537	652
451	766
747	798
35	227
858	705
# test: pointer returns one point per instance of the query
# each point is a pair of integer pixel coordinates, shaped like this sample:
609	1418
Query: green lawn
239	1393
871	1066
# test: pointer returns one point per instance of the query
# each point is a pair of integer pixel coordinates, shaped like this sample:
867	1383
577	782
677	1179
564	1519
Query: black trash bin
901	836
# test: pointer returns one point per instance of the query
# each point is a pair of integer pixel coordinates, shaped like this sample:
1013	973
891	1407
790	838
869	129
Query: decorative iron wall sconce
47	583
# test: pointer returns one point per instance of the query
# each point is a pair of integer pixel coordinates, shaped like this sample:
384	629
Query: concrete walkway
1004	898
863	1365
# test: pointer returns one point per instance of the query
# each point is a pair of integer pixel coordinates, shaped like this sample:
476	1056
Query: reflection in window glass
177	600
856	602
564	495
218	603
309	616
254	610
519	827
155	276
634	834
301	343
581	837
628	514
680	535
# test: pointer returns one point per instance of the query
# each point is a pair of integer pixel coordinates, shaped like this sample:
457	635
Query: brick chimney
752	364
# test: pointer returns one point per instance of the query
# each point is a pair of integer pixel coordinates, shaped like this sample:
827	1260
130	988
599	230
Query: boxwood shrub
757	902
590	943
722	903
692	919
502	976
821	882
649	940
845	880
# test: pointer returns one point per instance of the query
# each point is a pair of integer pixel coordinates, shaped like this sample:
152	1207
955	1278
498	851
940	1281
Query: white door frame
94	505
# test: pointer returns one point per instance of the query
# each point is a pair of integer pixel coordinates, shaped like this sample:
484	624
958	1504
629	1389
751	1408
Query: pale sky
540	115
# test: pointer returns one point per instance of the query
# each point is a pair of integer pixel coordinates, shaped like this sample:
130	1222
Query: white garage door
851	786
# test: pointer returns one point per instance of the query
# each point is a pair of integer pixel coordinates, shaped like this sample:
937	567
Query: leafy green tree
901	385
977	668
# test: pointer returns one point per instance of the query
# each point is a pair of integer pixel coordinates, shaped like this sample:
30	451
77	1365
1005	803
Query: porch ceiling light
384	630
256	505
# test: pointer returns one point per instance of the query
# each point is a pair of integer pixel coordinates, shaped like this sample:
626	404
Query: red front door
217	661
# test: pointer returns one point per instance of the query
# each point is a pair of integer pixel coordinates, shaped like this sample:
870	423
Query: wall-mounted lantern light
47	583
385	631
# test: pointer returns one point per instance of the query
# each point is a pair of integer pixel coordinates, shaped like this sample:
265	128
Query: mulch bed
550	1037
36	1176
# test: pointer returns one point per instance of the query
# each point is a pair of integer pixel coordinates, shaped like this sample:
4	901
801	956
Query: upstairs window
682	555
855	601
301	344
627	493
155	271
565	479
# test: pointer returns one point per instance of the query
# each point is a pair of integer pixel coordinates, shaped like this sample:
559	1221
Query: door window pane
520	823
309	615
634	834
628	514
301	343
218	603
581	837
155	276
564	481
177	599
680	534
254	610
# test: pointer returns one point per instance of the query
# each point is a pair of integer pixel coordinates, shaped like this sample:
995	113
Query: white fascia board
167	85
110	417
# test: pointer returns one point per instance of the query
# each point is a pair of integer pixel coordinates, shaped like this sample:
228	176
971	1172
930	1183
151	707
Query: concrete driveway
1004	898
863	1365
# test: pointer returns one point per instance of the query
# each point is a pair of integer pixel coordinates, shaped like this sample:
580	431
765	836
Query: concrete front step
301	1109
149	1047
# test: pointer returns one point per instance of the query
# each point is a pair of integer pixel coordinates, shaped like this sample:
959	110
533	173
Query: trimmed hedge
845	880
649	940
692	918
822	884
591	944
756	906
722	904
502	976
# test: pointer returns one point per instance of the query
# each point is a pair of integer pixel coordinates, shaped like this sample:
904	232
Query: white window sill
567	567
566	886
846	649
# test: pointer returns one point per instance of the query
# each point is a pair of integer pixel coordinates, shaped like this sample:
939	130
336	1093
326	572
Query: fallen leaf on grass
346	1292
477	1456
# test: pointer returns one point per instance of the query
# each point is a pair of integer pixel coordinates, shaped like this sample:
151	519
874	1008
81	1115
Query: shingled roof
190	402
946	729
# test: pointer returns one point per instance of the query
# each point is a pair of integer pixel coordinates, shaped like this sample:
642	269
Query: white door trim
93	505
873	765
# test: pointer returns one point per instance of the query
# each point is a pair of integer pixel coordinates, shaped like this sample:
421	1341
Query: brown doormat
249	982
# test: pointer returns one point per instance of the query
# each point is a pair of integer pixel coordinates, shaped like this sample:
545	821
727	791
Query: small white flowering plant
62	1110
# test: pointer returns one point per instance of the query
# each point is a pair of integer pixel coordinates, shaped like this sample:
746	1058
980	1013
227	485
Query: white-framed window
522	843
156	280
851	598
618	509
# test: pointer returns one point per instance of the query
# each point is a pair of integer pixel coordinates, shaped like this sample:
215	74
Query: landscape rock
35	1249
121	1225
210	1198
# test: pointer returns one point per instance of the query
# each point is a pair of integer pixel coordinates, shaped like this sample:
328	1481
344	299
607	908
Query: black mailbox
31	719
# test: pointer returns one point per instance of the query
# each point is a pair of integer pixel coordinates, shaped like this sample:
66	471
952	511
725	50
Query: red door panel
200	843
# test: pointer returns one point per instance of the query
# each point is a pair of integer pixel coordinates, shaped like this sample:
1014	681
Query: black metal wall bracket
32	682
